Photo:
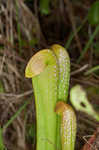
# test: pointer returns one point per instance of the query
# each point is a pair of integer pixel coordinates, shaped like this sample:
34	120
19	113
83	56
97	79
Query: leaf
93	15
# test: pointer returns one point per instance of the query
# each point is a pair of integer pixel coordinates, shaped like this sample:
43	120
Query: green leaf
31	132
2	147
93	15
1	87
44	7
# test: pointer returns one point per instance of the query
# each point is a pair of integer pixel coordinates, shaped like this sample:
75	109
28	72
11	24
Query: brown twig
81	69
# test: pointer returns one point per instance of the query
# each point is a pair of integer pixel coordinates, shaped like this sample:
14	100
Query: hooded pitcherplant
50	73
